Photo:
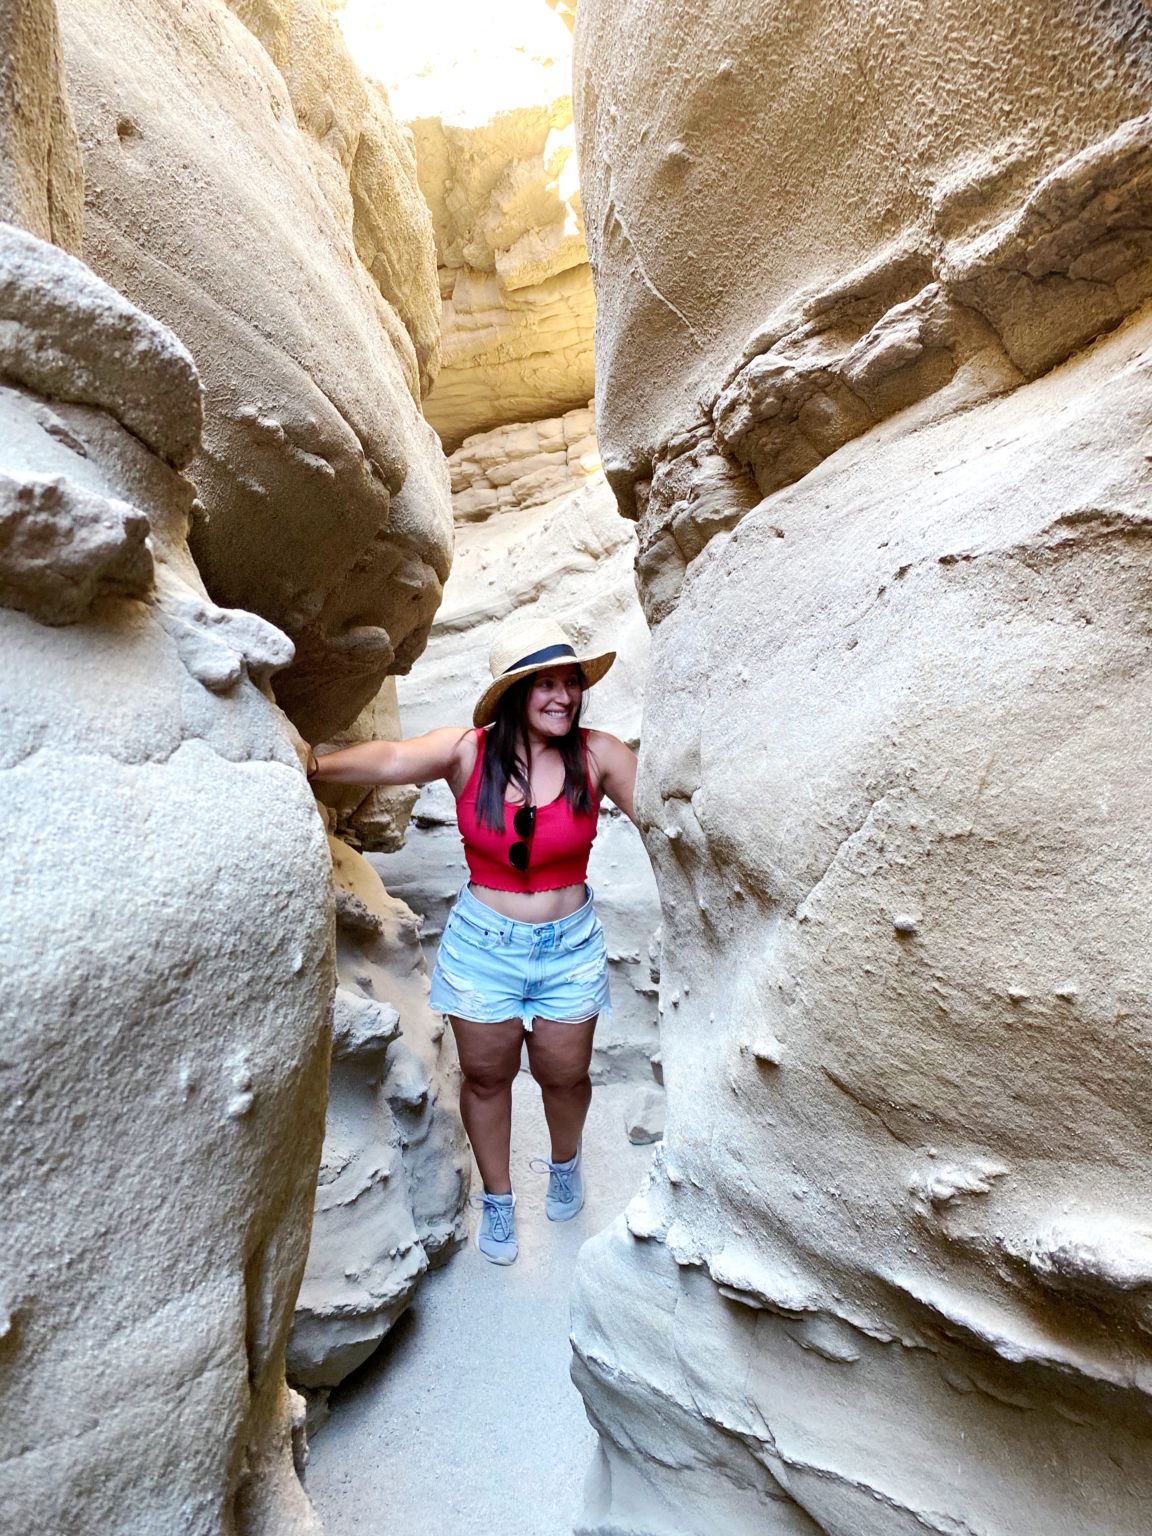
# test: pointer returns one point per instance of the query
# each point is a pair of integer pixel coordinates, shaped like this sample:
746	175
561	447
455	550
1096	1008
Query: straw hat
525	647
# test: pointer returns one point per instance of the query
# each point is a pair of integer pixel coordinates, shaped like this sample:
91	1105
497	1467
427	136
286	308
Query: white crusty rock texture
486	94
395	1170
538	530
873	350
165	989
250	189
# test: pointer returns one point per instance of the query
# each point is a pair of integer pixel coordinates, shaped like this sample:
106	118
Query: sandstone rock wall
249	189
487	97
890	1272
161	1122
41	177
395	1171
166	943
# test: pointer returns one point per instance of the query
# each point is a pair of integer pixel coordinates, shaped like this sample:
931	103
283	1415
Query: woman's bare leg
489	1059
559	1055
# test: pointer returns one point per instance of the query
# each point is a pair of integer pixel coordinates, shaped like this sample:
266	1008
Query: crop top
559	845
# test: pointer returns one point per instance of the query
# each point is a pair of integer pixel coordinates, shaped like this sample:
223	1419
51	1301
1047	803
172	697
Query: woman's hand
418	761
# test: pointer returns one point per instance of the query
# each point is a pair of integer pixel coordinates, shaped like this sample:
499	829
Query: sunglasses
524	822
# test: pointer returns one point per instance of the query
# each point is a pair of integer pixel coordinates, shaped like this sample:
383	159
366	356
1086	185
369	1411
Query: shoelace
559	1179
501	1215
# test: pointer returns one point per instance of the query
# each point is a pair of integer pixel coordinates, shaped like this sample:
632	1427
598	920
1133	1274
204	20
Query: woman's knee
560	1077
489	1082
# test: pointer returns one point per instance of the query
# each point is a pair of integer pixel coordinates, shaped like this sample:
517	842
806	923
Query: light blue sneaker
565	1187
496	1235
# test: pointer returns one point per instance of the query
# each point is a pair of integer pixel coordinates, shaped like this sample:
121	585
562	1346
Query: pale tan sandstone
512	354
890	1272
487	97
240	185
395	1170
323	493
523	465
41	177
161	1124
356	145
166	934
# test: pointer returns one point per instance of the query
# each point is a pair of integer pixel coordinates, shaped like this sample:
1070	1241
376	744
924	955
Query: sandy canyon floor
466	1417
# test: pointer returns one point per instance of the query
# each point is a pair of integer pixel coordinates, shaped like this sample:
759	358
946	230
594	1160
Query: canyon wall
872	356
323	496
213	470
161	1124
250	189
486	94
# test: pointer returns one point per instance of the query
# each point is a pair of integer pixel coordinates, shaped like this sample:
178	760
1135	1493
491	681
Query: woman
522	949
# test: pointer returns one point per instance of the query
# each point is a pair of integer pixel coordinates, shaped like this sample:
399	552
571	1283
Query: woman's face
553	701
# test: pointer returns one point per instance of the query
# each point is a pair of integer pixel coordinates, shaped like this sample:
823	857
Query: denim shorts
491	968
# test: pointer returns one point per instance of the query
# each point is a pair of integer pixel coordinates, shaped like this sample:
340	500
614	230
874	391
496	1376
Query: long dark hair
506	758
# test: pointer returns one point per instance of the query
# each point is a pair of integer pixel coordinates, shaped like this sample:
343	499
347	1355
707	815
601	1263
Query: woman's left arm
617	765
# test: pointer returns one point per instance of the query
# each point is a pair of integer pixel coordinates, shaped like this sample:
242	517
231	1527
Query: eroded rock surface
889	1273
162	1121
395	1171
523	465
249	188
486	94
167	938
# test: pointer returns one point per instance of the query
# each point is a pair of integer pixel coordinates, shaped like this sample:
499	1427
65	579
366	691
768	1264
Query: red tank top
559	846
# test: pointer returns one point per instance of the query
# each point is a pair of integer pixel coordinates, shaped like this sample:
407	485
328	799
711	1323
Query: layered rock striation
884	430
487	98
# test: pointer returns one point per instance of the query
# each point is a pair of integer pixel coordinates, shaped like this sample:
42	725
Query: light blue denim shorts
491	968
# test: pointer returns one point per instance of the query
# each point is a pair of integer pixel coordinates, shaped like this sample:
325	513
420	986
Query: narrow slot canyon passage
788	366
466	1419
465	1415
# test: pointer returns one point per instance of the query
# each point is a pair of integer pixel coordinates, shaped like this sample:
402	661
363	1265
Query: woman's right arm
417	761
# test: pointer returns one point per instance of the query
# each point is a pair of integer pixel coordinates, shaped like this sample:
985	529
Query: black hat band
538	658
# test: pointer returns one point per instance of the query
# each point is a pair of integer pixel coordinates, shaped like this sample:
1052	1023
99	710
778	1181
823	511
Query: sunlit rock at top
486	93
